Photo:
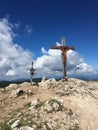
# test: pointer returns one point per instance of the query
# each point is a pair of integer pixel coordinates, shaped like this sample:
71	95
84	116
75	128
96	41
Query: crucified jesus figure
64	50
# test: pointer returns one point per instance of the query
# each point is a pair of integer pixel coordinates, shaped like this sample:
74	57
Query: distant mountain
5	83
86	77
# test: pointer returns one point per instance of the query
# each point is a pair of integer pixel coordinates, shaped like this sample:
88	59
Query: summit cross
64	50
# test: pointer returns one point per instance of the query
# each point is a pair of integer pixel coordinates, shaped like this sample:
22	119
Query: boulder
15	124
43	79
25	84
25	128
11	86
54	105
16	93
47	83
35	104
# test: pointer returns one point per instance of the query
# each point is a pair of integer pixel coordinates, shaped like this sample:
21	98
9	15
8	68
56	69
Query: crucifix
64	50
32	70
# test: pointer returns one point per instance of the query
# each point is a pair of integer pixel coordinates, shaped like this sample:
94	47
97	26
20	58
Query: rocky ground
50	105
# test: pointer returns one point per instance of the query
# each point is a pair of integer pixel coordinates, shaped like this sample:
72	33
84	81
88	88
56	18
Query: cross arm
63	47
71	48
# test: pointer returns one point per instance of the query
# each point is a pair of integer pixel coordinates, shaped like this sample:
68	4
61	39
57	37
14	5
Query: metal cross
32	70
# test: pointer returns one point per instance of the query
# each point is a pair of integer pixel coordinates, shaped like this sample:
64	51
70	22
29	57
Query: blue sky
35	25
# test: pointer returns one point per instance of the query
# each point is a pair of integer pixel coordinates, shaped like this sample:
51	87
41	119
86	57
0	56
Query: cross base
64	79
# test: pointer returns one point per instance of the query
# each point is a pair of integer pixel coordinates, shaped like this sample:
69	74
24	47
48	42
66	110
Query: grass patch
5	127
76	127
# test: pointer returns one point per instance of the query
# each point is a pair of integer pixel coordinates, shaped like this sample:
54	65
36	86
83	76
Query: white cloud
83	68
58	44
50	63
14	60
17	24
10	73
43	50
28	29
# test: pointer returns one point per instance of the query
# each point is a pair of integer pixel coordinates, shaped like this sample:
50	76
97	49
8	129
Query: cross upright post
64	50
32	70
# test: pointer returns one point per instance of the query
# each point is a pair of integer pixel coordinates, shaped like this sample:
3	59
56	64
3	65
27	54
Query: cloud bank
14	60
50	64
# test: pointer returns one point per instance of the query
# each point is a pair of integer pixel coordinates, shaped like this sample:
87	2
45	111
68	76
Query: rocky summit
50	105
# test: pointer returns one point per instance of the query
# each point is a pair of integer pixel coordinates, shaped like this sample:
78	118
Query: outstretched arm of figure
63	47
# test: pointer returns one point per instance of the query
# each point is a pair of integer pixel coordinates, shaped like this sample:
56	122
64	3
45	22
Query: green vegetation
76	127
5	127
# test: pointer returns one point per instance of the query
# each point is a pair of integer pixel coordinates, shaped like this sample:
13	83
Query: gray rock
26	128
11	86
35	104
15	124
10	121
16	128
48	83
16	93
25	84
30	92
44	79
19	114
2	89
54	105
